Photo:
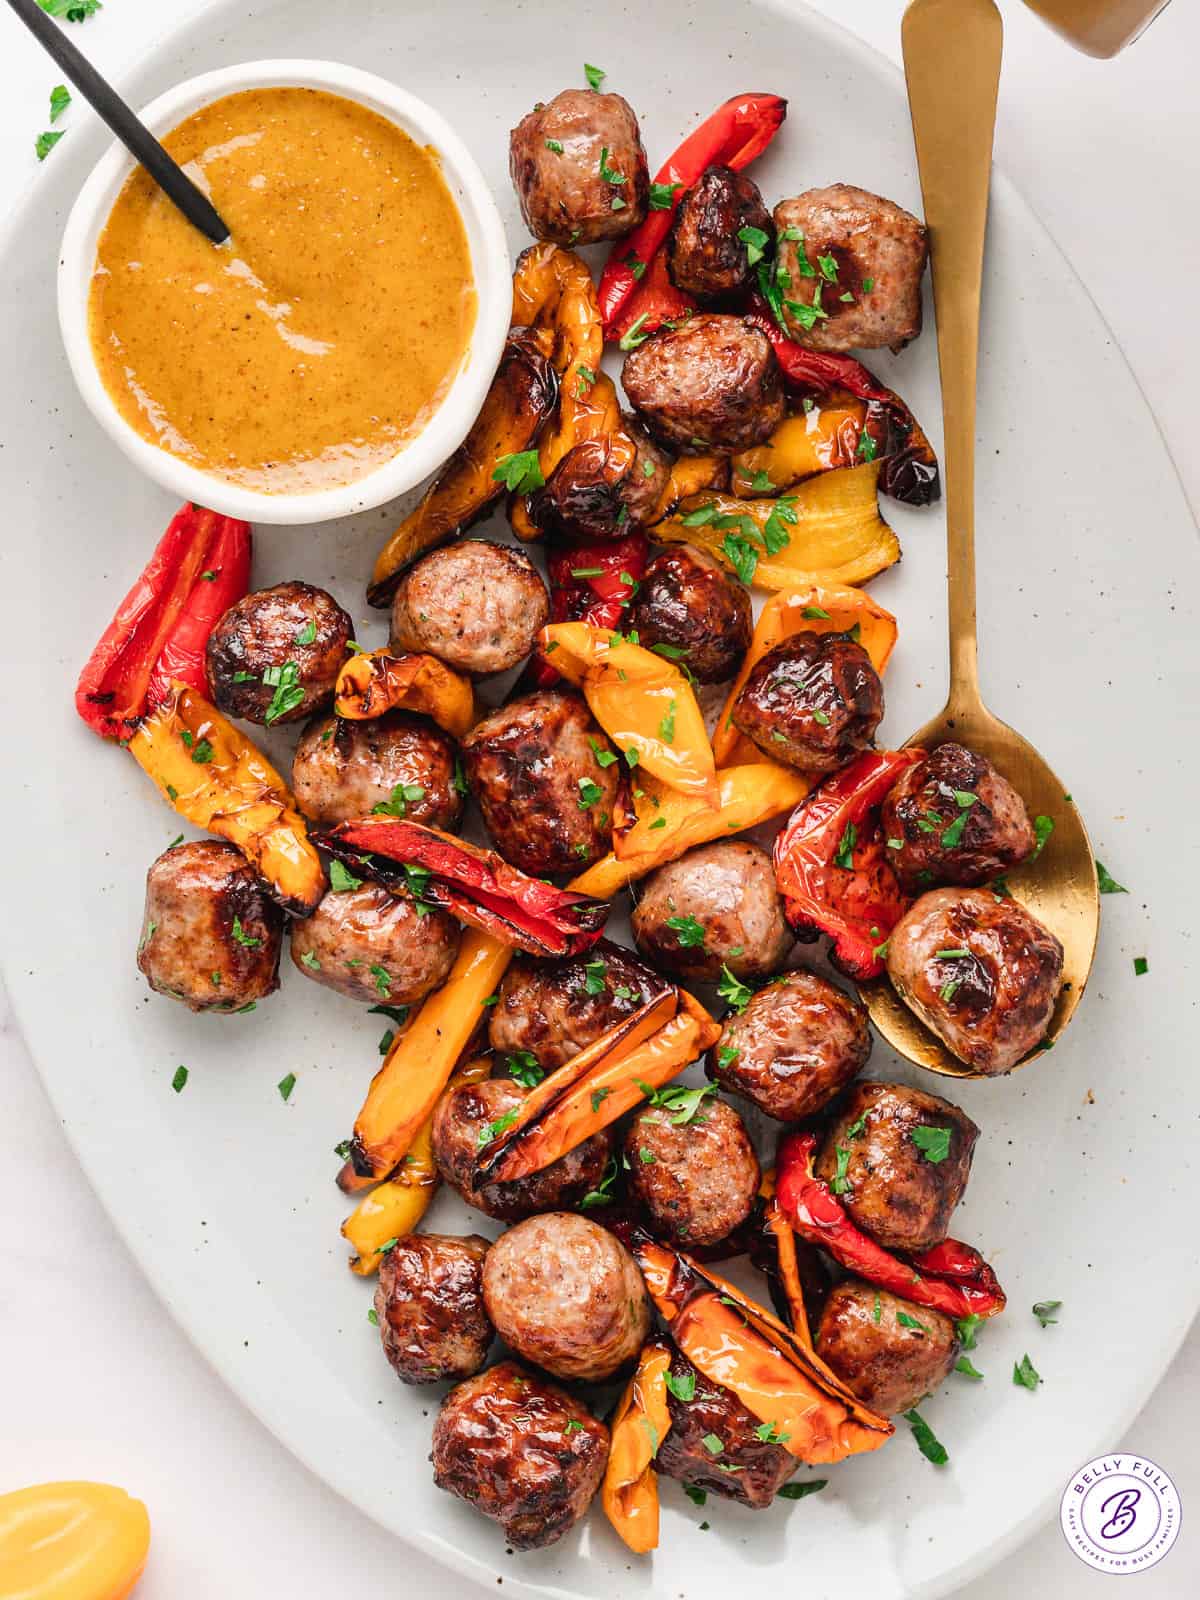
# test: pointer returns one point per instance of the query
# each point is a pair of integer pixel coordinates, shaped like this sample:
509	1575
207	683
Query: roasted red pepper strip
952	1277
732	136
910	468
600	597
200	566
477	886
856	906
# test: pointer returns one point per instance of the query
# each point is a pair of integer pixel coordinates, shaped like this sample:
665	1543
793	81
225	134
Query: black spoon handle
134	135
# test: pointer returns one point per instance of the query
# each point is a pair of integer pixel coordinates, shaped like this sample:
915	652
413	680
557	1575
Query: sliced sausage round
521	1451
460	1126
891	1365
210	936
342	770
546	799
714	907
902	1159
813	702
712	383
706	253
690	609
375	946
796	1045
476	605
603	488
846	241
698	1178
579	169
275	655
715	1444
429	1305
551	1010
980	970
566	1294
953	819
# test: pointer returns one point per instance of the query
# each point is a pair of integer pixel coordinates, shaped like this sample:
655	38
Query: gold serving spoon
952	63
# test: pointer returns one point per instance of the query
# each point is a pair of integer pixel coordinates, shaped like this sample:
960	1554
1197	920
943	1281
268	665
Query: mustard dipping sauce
304	352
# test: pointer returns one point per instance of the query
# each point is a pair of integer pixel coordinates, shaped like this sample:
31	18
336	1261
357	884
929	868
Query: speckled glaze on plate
1085	1181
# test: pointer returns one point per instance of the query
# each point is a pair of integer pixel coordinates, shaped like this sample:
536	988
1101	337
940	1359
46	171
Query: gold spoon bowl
952	51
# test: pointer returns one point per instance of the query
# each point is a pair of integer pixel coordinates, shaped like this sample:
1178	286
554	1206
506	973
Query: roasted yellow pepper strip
688	476
372	684
827	436
417	1068
71	1541
212	774
396	1207
639	1426
811	608
832	526
747	796
642	701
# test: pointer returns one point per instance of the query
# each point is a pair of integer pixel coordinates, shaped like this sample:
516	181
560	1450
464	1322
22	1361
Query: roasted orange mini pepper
811	608
372	684
71	1541
215	777
642	701
639	1425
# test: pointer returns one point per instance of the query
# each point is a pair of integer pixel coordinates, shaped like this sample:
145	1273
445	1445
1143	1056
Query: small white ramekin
490	264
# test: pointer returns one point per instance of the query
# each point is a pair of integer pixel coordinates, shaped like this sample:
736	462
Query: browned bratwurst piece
603	488
551	1010
429	1303
979	970
275	655
545	799
906	1158
210	936
342	770
843	240
566	1294
579	169
690	607
715	906
953	819
520	1450
705	256
372	945
753	1469
812	703
698	1178
459	1125
476	605
890	1365
797	1044
713	383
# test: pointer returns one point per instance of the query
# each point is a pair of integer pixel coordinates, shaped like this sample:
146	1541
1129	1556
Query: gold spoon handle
952	54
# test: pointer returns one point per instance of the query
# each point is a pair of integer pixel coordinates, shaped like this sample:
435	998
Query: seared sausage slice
579	169
712	383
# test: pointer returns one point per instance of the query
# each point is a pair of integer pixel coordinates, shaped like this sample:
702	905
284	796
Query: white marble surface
97	1381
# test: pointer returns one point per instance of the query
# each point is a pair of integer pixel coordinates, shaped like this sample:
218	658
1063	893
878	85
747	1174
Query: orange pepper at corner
72	1541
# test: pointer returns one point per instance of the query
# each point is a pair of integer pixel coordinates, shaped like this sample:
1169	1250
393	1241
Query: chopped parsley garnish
574	1426
609	174
713	1443
383	978
688	931
666	728
683	1386
386	1041
815	614
633	335
967	1329
905	1321
593	976
697	1496
1043	827
756	241
829	268
373	1317
743	557
968	1369
460	778
553	145
933	1143
867	448
951	835
958	954
799	1491
286	1085
761	484
857	1127
594	75
662	195
867	285
599	1096
1140	966
180	1078
782	516
840	1183
928	1442
733	991
877	1311
589	793
240	936
524	1068
72	10
342	1150
520	471
289	691
680	1102
416	881
493	1130
1025	1374
769	1433
726	1056
60	99
1044	1311
309	960
601	1195
341	879
845	849
308	633
398	1014
1108	884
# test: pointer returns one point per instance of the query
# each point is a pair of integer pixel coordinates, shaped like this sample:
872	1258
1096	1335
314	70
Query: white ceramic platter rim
311	1408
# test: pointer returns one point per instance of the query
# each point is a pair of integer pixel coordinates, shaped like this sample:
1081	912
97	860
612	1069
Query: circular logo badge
1120	1513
